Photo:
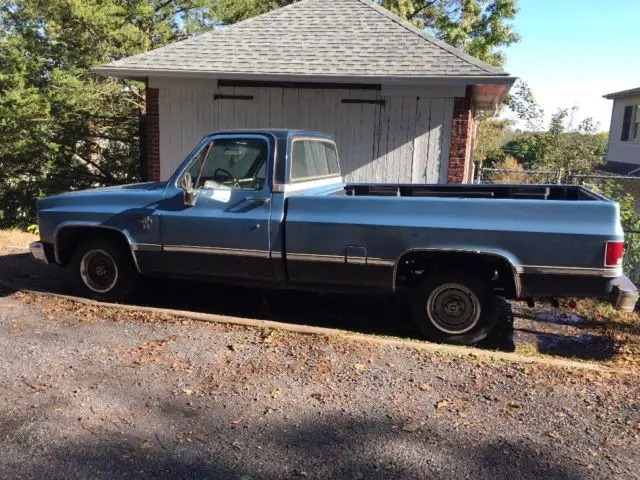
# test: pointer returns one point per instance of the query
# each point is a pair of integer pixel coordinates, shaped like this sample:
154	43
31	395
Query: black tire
455	307
504	314
103	270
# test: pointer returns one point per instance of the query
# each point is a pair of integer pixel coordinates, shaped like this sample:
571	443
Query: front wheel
455	308
103	270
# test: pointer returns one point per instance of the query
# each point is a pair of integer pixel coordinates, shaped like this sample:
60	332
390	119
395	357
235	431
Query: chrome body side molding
310	257
216	251
612	272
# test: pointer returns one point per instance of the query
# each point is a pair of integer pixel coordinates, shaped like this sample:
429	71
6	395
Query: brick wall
152	135
462	130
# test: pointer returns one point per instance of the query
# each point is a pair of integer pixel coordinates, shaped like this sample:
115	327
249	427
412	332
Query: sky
572	52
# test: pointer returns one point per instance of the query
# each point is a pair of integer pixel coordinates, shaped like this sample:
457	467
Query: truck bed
531	192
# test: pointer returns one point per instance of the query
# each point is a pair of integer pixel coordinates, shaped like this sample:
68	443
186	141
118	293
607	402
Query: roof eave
142	74
488	97
622	94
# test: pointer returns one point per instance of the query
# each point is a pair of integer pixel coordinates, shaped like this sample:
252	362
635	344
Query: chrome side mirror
189	193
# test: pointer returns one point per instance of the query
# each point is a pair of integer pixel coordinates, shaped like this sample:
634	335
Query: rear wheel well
413	267
69	239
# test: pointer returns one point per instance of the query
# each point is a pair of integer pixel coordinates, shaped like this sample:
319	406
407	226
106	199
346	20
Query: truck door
226	232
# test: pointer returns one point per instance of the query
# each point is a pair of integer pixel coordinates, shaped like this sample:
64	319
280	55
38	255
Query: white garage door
380	139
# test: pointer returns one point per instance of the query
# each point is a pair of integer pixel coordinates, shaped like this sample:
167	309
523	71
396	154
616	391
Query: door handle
260	200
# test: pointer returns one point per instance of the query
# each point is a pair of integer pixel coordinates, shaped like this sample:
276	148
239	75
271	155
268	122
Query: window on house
313	159
631	123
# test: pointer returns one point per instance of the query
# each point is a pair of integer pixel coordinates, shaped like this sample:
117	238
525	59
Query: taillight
613	254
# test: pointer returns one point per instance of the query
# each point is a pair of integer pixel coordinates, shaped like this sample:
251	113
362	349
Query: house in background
399	102
623	152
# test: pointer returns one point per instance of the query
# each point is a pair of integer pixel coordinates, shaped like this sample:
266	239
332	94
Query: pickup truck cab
270	208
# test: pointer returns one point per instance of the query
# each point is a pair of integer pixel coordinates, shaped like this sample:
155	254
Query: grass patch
15	240
528	350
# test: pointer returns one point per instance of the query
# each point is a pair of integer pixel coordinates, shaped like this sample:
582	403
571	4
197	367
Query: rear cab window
313	159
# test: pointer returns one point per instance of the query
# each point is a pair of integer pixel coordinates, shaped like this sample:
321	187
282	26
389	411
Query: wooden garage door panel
402	140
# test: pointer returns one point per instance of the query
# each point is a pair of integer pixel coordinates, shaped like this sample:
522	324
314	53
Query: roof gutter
624	93
139	74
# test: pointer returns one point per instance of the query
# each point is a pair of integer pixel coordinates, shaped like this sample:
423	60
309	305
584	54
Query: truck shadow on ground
380	315
329	446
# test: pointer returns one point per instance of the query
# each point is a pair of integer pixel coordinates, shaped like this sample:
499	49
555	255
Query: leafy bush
630	223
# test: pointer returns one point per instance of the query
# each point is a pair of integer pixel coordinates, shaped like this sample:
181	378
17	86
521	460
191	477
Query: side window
231	163
631	123
313	159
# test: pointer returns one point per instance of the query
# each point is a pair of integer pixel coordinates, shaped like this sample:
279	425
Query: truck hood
125	196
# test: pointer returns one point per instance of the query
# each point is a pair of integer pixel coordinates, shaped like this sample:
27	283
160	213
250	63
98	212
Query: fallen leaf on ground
411	427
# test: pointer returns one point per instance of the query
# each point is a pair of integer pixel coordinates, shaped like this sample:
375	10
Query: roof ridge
430	38
256	17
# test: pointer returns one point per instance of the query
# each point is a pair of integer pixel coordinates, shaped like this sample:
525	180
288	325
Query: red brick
152	134
461	140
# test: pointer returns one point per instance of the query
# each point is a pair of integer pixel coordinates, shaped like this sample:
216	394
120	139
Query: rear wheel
103	270
455	307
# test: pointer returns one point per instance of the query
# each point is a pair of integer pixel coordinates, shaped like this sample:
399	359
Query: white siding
391	139
619	151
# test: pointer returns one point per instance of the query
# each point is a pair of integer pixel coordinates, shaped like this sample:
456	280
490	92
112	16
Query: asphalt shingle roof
328	38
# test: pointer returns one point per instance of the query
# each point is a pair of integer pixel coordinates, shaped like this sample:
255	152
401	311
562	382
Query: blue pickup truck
270	208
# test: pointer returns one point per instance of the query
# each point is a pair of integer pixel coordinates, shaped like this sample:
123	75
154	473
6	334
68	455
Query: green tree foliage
564	147
629	218
233	11
522	102
62	127
529	150
573	149
479	27
491	134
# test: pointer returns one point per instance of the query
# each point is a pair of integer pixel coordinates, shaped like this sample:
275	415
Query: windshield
231	163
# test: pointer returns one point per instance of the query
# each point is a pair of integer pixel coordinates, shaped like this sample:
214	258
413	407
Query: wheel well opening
414	267
69	239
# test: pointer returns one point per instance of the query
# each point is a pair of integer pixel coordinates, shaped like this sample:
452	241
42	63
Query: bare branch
108	137
163	4
421	9
103	173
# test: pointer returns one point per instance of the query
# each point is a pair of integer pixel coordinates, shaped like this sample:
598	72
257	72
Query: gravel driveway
95	392
90	392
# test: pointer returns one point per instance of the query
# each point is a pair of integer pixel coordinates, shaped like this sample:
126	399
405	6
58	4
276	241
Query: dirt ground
95	392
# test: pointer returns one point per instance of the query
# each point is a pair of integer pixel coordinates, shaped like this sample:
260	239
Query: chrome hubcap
453	308
98	271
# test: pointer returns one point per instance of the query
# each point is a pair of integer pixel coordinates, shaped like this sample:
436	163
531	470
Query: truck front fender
68	234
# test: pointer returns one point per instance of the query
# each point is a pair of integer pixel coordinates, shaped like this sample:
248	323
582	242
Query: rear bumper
546	285
624	295
38	251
